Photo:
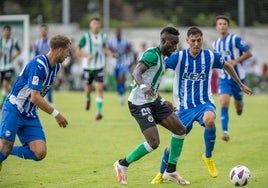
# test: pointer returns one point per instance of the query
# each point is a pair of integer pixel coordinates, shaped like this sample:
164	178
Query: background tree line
141	13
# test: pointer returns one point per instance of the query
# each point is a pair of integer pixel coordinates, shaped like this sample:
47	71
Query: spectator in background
9	51
41	46
122	48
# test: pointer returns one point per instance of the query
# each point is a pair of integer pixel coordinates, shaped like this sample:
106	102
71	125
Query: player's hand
148	92
174	108
246	89
61	120
90	57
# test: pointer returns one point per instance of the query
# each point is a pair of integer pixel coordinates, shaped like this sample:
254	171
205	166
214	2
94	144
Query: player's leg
149	130
238	98
5	79
87	75
33	141
99	87
121	79
208	120
172	123
225	92
8	129
49	96
187	118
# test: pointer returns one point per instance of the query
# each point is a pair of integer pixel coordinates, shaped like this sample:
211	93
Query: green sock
88	96
3	98
175	148
99	102
138	152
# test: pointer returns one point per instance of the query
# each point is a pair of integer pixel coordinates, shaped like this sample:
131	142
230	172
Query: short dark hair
44	25
223	17
170	30
7	27
94	18
193	30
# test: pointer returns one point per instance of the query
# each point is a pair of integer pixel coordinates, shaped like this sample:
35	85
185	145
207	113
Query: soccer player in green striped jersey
9	50
92	49
149	109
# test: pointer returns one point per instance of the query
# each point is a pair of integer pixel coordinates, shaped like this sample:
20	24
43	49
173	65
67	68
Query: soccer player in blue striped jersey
9	51
233	48
19	114
121	47
192	92
149	109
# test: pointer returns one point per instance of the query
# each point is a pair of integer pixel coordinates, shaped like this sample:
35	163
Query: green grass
82	155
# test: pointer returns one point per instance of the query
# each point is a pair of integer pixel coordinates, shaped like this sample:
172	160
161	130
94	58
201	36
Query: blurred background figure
120	46
41	46
9	51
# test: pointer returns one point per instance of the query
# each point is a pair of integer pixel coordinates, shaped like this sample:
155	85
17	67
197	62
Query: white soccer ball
240	175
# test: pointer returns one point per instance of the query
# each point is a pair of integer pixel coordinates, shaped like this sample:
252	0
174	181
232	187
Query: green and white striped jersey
93	44
7	48
153	59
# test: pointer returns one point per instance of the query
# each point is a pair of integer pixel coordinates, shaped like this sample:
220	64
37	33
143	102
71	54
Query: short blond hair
59	41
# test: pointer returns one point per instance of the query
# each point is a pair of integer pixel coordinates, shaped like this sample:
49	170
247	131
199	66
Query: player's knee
154	144
41	154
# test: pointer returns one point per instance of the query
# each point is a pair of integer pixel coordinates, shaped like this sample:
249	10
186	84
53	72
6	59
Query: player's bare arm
229	68
241	58
41	103
137	74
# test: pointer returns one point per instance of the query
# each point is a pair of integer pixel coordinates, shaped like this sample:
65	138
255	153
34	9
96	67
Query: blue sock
209	137
224	118
164	161
24	152
49	96
2	157
121	88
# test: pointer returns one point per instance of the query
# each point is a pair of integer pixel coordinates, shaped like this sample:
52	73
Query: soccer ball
239	175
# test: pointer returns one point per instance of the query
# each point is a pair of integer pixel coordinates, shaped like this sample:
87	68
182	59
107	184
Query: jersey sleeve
219	60
172	61
149	58
37	76
82	41
241	44
17	46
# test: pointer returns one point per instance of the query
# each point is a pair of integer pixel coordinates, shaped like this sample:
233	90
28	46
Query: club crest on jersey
35	80
150	118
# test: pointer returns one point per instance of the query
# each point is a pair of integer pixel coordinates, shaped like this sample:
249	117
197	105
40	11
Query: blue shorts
27	129
189	116
119	70
231	88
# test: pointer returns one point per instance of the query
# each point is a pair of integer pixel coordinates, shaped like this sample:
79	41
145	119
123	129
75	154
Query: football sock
176	145
2	157
224	119
23	152
164	161
139	152
121	88
88	96
209	137
99	102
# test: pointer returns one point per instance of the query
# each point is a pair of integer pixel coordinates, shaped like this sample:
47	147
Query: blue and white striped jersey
41	46
231	47
192	79
37	75
121	47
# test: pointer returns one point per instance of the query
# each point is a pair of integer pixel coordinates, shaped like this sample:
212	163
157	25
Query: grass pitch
82	155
